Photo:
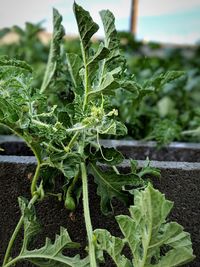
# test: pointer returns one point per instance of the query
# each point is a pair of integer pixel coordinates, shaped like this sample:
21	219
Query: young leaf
111	39
54	54
86	26
111	185
149	235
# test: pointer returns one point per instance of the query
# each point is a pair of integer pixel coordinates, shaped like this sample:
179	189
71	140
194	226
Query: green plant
65	139
165	115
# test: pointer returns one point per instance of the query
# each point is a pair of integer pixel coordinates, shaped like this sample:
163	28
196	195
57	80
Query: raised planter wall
180	181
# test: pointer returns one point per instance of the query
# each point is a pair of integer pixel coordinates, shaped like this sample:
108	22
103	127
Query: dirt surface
180	185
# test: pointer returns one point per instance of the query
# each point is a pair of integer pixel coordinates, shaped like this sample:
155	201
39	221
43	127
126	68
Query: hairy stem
86	85
13	237
35	179
87	217
12	262
15	233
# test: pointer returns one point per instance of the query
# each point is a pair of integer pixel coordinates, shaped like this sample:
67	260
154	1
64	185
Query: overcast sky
175	21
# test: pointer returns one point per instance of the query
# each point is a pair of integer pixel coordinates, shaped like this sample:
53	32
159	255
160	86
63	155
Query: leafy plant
152	240
64	137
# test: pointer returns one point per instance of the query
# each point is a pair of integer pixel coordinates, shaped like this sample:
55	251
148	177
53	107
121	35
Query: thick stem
87	217
15	233
35	179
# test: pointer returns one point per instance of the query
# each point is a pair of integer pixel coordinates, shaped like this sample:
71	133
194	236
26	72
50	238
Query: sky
169	21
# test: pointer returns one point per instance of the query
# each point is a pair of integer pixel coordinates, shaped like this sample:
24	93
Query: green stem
86	77
35	179
71	143
12	262
116	170
38	158
15	233
43	124
87	217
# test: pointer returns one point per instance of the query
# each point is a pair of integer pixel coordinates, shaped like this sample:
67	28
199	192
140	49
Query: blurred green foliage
163	116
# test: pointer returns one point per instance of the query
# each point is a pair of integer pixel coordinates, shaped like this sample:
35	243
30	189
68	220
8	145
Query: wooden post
134	13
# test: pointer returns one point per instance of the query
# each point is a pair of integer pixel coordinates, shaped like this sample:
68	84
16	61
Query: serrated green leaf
54	54
113	246
111	185
51	254
151	232
148	234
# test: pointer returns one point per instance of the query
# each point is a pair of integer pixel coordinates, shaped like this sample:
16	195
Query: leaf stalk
87	217
14	236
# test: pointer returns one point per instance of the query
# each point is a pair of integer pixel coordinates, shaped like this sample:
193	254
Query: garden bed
179	181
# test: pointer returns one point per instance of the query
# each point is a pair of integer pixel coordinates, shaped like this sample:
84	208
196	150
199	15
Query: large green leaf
152	241
54	54
111	185
51	254
86	26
